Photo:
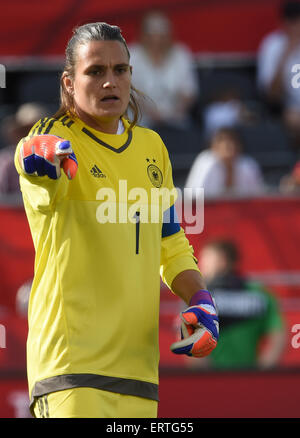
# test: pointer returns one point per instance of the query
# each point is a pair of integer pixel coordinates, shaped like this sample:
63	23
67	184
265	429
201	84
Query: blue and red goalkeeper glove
46	154
199	328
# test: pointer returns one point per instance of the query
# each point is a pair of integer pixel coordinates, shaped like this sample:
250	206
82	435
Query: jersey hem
118	385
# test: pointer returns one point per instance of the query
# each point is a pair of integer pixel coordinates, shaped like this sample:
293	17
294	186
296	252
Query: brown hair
83	35
229	132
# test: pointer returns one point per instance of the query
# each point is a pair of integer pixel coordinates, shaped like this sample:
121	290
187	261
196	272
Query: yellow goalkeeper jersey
94	304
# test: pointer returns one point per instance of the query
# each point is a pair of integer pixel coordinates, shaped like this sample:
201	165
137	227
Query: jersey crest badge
155	175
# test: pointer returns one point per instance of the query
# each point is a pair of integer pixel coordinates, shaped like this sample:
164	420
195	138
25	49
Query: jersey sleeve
177	255
170	194
41	192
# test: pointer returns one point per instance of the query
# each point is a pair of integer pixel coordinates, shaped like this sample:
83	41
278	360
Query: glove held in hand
200	327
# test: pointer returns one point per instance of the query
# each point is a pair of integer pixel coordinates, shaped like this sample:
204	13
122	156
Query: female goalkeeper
94	306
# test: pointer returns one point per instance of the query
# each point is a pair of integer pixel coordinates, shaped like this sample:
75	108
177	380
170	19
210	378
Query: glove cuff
203	297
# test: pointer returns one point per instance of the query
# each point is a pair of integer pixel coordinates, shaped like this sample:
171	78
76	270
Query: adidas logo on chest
96	172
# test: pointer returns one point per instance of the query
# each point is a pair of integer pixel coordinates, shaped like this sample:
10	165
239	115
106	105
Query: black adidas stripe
42	125
66	121
50	126
97	168
46	124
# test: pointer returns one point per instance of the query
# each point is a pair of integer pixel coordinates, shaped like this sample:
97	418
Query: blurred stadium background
224	36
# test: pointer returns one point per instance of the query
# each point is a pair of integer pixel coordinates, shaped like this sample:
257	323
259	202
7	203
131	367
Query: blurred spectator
15	127
223	169
227	108
222	114
278	53
164	71
290	184
251	326
22	299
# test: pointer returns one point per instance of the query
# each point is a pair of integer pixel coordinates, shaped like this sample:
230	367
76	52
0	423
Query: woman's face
225	148
102	82
212	262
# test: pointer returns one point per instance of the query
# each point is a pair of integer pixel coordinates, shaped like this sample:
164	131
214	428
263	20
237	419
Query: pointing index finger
63	148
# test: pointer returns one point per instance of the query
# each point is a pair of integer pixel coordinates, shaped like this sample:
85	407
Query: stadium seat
183	144
40	87
268	143
183	147
219	84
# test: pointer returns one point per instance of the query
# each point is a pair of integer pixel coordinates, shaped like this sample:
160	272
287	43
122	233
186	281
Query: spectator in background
22	299
227	106
227	112
15	127
290	184
164	71
279	51
222	169
251	323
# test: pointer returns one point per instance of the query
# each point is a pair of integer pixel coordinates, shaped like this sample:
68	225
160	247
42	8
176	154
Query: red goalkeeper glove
46	154
200	327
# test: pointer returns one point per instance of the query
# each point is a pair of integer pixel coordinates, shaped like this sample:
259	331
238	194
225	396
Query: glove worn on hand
46	154
200	327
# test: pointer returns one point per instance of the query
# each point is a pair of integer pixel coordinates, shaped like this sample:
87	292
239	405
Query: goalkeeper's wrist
202	296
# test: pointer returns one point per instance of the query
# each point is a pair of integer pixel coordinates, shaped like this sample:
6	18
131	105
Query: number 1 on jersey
137	232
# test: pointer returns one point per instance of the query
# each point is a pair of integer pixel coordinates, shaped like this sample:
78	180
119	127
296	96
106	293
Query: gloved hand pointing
46	154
